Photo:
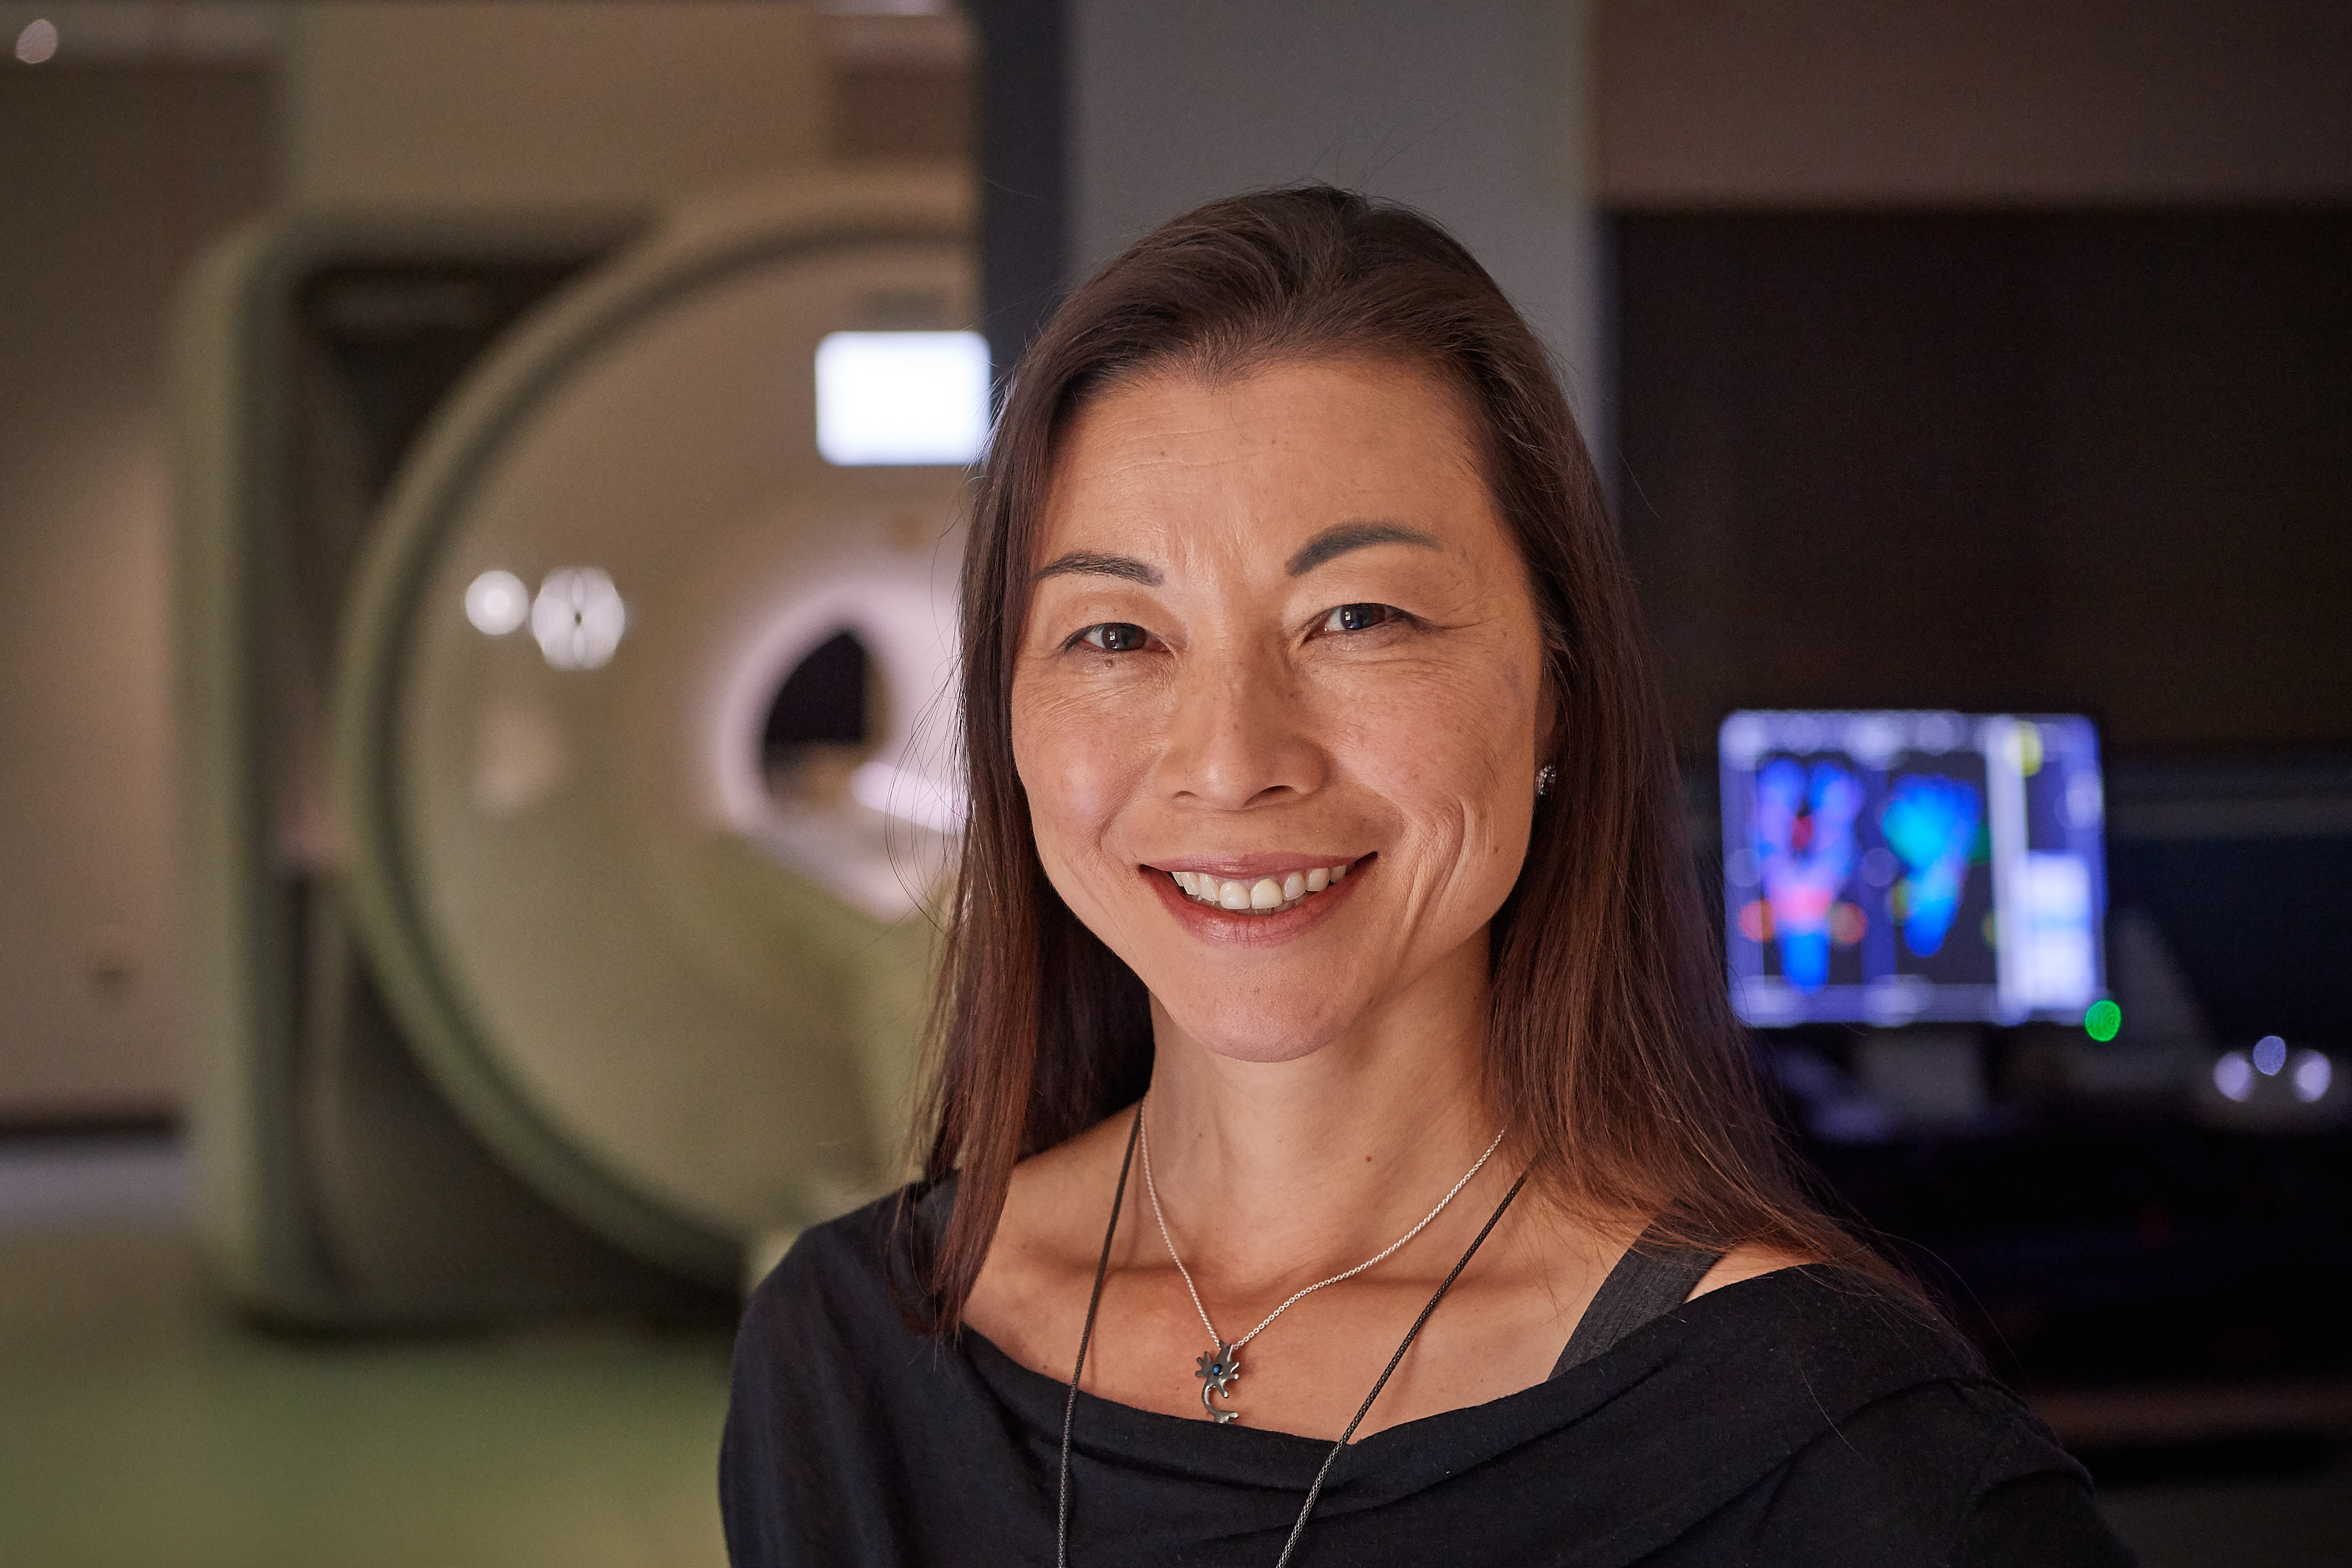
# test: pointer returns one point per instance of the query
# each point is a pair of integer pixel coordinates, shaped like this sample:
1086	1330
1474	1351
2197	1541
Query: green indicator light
2102	1020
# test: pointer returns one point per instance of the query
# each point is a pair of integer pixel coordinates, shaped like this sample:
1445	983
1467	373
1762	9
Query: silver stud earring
1544	776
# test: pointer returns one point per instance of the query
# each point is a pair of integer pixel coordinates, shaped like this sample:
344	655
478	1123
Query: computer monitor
1894	867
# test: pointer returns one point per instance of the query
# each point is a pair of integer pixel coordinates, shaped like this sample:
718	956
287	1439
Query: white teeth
1266	895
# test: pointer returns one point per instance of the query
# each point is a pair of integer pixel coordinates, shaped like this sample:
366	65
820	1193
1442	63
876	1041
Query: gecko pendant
1219	1367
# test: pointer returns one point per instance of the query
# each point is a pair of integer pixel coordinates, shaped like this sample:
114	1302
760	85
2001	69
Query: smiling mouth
1260	896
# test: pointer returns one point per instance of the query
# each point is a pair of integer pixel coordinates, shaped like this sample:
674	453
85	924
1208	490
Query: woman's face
1280	649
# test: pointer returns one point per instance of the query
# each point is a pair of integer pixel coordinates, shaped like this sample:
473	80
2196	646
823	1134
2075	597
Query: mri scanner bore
634	739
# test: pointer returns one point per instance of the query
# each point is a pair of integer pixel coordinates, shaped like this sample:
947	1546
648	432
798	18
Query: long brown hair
1612	1048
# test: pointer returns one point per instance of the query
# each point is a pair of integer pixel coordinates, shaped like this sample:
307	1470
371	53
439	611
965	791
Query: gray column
1472	111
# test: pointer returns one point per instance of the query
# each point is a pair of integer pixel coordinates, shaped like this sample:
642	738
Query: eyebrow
1340	540
1091	564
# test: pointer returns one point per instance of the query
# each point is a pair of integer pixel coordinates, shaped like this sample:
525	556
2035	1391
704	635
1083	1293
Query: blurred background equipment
2019	463
509	344
1894	868
611	860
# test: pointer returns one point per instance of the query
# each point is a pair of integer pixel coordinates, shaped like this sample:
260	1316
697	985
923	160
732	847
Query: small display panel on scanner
902	399
1893	867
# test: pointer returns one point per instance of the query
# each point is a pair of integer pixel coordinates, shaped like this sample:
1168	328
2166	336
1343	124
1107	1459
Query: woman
1341	1149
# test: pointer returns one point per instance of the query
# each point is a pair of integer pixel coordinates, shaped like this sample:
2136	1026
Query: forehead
1261	460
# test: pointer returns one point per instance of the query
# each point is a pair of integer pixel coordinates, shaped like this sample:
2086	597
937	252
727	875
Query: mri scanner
566	628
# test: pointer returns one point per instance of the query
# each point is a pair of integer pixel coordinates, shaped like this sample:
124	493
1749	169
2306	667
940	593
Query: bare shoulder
1746	1262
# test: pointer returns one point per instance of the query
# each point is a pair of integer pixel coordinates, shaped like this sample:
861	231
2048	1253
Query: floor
141	1426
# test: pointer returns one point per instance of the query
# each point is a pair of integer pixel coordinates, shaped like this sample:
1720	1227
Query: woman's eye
1358	617
1115	636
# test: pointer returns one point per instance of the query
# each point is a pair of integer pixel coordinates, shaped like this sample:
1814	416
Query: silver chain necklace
1219	1366
1315	1490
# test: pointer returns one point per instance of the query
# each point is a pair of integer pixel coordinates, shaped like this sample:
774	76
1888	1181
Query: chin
1249	1034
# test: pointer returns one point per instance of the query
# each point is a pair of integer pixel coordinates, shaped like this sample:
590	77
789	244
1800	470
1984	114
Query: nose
1242	732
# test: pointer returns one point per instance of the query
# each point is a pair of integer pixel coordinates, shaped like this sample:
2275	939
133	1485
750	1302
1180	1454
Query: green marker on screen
2102	1020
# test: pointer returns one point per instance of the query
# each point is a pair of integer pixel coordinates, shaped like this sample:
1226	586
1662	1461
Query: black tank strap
1648	1281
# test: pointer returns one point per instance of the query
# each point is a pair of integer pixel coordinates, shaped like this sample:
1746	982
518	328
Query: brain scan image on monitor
1805	818
1932	823
1886	867
1939	901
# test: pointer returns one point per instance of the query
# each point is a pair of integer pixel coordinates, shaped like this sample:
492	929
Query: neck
1271	1170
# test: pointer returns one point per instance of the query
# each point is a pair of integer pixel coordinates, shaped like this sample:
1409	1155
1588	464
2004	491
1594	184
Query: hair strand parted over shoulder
1611	1052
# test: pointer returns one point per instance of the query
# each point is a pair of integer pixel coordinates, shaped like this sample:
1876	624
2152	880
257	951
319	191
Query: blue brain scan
1805	844
1895	866
1931	822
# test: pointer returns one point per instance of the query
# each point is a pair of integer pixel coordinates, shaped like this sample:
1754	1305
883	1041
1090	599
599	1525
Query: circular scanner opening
826	720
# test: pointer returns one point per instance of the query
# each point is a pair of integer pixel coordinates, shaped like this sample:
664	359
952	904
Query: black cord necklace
1086	1337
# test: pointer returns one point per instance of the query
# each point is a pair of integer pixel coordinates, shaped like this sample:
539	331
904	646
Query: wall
1471	111
1712	103
466	102
116	173
2088	461
1988	354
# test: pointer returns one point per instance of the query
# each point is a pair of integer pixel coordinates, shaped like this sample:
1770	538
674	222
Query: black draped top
1802	1418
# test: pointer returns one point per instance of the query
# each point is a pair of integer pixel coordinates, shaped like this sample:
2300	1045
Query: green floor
140	1428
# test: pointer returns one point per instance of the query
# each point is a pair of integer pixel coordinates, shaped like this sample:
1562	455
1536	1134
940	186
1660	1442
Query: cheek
1447	747
1078	767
